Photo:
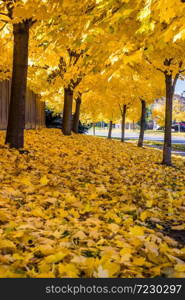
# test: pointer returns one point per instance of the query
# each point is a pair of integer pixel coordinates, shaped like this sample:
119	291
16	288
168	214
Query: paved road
177	152
148	137
134	136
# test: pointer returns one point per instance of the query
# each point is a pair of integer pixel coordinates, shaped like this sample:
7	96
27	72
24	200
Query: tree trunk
179	128
77	115
168	121
123	123
142	125
110	130
67	111
133	125
16	116
94	128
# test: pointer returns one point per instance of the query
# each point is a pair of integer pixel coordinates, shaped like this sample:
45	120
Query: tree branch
3	27
120	109
3	14
158	69
181	71
74	54
4	21
177	76
175	81
86	91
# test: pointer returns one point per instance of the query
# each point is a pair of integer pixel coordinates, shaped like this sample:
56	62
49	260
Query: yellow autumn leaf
54	258
137	231
38	212
45	275
7	245
25	180
113	227
4	217
111	267
180	267
68	270
144	215
178	227
139	261
149	203
101	273
44	180
46	249
80	235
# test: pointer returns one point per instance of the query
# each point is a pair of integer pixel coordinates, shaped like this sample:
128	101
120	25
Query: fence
35	109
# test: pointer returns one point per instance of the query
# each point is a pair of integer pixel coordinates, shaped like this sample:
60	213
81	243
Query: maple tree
20	15
167	57
77	113
159	112
146	92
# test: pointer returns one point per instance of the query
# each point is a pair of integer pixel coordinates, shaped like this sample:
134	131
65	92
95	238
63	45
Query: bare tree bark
110	130
94	128
124	110
77	115
142	123
168	120
133	125
170	89
16	117
67	111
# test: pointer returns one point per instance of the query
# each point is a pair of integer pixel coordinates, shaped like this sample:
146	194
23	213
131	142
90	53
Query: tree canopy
110	52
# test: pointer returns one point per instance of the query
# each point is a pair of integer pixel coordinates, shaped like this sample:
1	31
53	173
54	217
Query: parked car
55	121
160	128
179	126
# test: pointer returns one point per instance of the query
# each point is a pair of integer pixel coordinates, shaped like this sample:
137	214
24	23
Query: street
177	138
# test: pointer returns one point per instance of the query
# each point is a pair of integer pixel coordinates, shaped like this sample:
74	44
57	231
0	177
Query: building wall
35	109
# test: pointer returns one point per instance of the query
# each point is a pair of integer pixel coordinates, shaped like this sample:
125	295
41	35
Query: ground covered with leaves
83	206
